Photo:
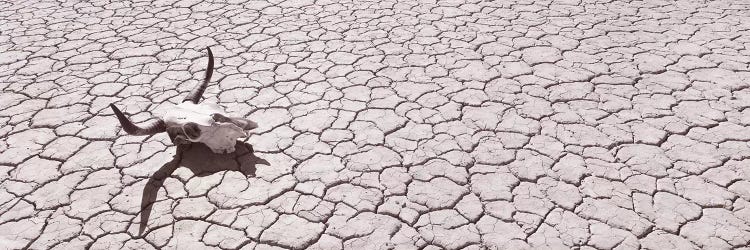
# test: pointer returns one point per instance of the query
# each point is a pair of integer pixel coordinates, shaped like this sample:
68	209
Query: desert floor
383	125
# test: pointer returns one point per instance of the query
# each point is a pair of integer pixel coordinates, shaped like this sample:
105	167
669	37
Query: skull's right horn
196	94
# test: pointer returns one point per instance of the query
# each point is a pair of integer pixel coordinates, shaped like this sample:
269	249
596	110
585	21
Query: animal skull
191	121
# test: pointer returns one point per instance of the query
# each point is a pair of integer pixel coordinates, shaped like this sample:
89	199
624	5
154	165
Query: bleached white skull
191	121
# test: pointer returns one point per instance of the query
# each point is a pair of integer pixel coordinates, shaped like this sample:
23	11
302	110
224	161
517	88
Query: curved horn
197	92
154	127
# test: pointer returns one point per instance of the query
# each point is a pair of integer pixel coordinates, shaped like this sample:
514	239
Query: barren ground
483	125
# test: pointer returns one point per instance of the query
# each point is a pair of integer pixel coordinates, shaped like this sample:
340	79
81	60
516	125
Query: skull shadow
199	159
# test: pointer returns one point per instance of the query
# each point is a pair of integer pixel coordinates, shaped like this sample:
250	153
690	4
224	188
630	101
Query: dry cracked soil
583	124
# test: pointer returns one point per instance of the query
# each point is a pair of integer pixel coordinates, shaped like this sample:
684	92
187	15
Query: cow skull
191	121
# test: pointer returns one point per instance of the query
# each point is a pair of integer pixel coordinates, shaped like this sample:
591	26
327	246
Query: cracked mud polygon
382	125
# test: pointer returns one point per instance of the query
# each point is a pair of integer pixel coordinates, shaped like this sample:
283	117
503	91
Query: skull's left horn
196	94
154	127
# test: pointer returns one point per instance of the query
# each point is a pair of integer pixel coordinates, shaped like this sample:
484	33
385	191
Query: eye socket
220	118
191	130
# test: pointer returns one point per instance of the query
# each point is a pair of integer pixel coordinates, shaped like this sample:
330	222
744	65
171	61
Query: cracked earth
439	125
